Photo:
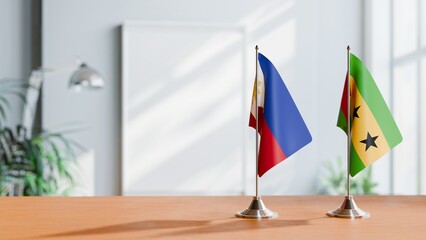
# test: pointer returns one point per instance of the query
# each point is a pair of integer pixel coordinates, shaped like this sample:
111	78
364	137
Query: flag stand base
348	209
257	209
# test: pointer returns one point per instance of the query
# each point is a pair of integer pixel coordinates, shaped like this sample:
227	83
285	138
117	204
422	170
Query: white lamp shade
86	77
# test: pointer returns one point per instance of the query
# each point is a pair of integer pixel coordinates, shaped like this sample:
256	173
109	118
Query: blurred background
172	115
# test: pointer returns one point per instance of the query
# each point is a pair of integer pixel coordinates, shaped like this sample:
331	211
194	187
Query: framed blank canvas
182	109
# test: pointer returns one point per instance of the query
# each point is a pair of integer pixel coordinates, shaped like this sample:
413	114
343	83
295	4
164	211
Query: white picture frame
189	57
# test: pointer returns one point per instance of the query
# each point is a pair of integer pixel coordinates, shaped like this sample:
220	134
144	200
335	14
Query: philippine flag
281	127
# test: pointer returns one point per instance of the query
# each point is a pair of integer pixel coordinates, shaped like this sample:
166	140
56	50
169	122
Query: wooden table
302	217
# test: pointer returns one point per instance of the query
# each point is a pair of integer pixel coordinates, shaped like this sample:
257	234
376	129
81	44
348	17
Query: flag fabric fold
374	131
280	126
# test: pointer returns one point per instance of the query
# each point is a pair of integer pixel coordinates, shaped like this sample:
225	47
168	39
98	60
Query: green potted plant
333	181
35	165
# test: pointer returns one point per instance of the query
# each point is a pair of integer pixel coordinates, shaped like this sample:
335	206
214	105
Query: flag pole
348	80
257	124
348	209
257	208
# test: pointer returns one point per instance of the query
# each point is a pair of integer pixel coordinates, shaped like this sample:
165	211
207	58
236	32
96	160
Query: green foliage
334	181
33	166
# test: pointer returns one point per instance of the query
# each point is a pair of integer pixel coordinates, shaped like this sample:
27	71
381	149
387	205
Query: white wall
306	40
378	58
390	29
15	47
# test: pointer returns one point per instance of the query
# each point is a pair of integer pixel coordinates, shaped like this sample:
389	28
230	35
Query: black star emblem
370	141
355	114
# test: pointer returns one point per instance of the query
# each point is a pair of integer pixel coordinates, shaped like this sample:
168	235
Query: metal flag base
257	209
349	209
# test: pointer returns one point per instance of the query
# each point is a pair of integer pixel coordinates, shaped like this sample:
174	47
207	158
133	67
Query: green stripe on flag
356	164
372	96
341	121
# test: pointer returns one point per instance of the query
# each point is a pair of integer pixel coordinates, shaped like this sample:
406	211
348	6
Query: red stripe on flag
252	121
344	102
270	153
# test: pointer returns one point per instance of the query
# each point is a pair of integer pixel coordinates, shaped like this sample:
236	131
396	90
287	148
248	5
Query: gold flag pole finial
348	209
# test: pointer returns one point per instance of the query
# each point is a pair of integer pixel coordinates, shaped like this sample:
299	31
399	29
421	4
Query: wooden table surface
301	217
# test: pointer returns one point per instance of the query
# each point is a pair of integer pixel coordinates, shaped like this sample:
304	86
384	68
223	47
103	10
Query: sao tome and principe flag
374	131
280	126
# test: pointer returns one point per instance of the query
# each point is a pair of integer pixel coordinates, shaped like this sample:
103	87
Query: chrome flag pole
257	208
348	209
257	123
